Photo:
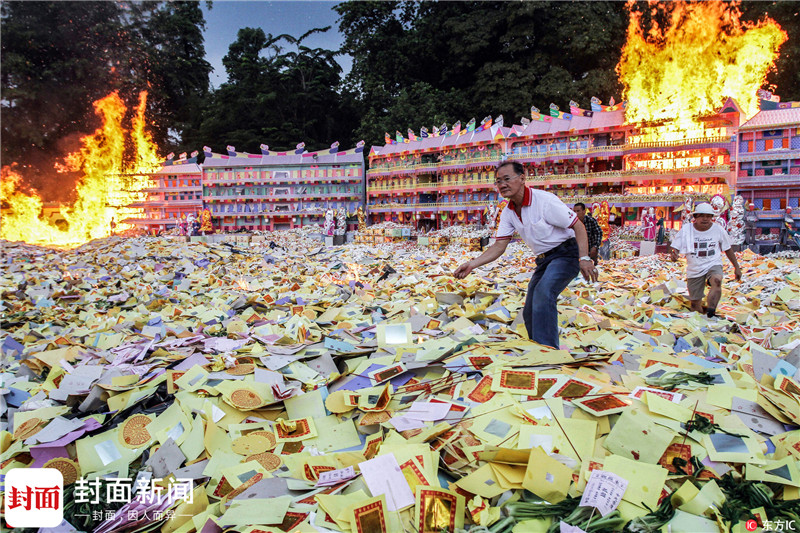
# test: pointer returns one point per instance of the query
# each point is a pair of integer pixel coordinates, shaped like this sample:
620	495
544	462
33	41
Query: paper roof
773	118
186	168
249	160
430	143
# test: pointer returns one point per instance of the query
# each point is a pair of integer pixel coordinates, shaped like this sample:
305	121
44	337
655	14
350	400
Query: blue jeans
552	275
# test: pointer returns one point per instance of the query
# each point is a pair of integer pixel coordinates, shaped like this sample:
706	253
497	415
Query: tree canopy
278	92
470	59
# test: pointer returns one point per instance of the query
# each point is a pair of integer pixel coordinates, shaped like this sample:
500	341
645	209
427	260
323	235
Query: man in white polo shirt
554	232
703	243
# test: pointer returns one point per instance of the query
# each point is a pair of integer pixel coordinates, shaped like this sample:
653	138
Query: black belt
550	252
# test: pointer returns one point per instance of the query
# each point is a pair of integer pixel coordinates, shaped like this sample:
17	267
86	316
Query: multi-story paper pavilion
582	156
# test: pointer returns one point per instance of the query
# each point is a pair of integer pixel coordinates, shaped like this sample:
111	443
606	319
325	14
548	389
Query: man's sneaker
711	313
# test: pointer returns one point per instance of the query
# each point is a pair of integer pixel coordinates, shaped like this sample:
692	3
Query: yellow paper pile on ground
365	389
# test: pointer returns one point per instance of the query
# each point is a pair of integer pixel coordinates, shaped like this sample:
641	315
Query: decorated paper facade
206	226
736	223
329	222
720	205
362	225
341	221
649	224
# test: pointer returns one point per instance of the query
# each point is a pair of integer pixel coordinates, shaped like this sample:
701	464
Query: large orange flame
688	68
353	272
104	191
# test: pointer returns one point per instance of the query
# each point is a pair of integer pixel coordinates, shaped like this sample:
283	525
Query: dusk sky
225	18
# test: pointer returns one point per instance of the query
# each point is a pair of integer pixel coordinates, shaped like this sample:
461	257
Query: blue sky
225	18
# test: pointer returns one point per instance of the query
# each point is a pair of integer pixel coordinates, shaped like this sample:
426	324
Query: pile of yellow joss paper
298	387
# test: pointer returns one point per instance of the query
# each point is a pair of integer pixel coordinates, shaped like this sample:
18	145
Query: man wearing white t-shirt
554	232
703	243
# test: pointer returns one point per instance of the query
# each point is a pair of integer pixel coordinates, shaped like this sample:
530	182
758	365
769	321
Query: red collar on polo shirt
527	199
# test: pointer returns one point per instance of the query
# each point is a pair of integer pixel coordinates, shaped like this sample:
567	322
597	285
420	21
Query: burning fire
242	284
352	274
104	191
688	69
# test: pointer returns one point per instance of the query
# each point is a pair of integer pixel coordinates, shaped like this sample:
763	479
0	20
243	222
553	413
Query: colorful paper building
769	161
444	179
246	192
176	192
582	156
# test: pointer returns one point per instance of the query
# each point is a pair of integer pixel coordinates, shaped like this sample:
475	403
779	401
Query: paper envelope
482	482
509	476
706	501
256	511
722	447
636	436
496	428
546	477
783	471
103	452
573	438
645	481
494	454
393	334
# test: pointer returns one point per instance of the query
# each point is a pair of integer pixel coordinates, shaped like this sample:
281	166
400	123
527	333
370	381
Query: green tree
176	72
241	112
375	37
280	92
478	58
550	52
310	78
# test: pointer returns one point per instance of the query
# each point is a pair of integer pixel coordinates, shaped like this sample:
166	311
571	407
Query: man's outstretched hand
588	270
463	270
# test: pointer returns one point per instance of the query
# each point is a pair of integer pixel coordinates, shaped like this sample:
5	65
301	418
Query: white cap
703	209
